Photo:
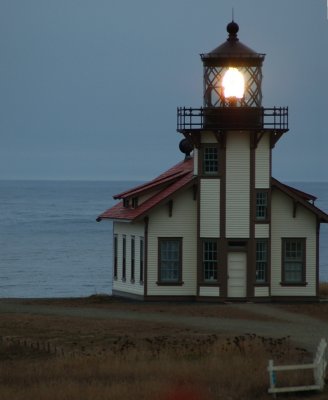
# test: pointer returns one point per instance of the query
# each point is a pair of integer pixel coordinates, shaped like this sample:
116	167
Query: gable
300	198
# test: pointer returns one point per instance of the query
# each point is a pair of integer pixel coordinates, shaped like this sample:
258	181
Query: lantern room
232	74
232	94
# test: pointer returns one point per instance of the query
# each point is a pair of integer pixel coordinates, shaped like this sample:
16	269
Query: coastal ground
103	331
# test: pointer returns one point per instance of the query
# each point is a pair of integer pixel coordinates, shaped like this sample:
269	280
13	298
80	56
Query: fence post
272	377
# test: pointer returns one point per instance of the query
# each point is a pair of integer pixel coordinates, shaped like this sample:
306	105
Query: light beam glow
233	83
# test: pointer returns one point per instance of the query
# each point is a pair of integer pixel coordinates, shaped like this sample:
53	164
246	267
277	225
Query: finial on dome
232	29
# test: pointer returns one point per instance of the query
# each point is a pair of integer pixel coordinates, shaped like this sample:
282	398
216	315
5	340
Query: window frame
141	259
115	256
266	218
123	258
216	261
160	280
265	261
132	258
205	172
302	260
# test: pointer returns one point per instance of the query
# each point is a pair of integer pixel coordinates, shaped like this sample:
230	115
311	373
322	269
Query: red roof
176	178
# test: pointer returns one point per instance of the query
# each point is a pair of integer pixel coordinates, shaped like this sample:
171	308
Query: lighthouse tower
233	136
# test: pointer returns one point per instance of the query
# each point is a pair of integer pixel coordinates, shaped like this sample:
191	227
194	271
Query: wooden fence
319	369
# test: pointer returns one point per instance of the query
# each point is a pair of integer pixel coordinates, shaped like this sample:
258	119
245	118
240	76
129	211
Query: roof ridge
165	176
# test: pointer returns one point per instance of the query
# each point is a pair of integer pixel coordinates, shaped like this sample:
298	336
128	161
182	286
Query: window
115	256
132	257
124	258
141	259
170	260
126	203
261	205
210	261
261	261
134	202
293	259
210	160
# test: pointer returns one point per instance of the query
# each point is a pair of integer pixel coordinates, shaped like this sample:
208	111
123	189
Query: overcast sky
89	88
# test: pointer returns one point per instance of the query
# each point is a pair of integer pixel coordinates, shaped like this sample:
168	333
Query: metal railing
195	119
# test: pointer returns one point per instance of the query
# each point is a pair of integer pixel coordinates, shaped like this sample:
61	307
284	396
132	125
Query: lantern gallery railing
232	118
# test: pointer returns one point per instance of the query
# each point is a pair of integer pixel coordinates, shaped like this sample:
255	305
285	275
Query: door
237	262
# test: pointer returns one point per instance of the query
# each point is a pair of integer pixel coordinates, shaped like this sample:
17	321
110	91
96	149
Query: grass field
61	358
162	368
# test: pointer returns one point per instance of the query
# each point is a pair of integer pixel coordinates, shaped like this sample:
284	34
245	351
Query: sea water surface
50	242
52	246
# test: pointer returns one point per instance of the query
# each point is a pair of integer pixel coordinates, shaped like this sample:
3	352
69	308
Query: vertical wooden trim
269	261
115	255
199	245
223	248
200	160
304	260
223	265
123	258
270	219
317	261
223	173
141	259
251	257
146	226
132	257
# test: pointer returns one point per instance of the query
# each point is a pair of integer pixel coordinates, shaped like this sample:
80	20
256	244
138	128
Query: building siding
128	229
283	226
209	291
262	163
237	185
261	291
210	208
196	155
262	231
182	223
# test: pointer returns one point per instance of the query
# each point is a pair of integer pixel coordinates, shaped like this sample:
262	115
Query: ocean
52	246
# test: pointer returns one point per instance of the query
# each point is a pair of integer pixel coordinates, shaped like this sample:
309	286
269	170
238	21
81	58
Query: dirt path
305	331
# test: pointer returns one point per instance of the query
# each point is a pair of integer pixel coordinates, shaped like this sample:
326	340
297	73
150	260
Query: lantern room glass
214	91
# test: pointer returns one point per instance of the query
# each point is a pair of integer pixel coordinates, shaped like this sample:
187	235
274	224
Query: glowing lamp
233	84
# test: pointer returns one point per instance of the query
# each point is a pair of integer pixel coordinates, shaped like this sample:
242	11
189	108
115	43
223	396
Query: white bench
319	369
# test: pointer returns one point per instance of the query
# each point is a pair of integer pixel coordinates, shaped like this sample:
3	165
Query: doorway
237	266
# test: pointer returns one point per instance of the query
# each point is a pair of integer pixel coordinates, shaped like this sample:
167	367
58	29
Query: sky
89	88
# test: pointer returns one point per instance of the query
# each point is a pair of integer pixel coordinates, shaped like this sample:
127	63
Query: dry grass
123	360
163	368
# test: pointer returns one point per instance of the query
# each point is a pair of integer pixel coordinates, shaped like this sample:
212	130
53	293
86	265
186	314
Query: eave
301	198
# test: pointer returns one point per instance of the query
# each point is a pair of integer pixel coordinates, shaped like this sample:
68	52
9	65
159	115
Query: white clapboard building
217	226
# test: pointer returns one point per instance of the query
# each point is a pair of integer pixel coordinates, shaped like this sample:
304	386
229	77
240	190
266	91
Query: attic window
126	203
134	202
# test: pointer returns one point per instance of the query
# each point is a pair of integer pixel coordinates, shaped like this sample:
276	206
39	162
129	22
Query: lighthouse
217	226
